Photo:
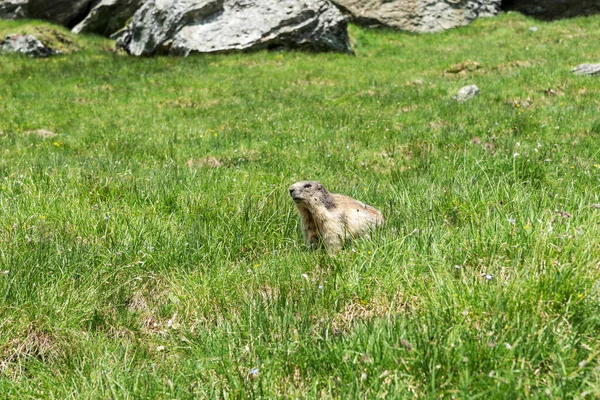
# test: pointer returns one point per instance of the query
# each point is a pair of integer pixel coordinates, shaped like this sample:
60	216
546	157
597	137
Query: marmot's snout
294	194
300	190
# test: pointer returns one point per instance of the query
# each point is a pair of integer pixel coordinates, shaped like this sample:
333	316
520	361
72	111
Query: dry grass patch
32	343
185	102
43	133
359	310
237	159
204	162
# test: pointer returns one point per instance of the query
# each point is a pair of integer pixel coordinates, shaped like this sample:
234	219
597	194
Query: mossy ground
150	249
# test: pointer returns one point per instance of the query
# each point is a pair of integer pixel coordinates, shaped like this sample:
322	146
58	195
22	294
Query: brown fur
331	217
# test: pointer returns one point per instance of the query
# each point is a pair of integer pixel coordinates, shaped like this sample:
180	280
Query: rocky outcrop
180	27
26	44
553	9
419	16
108	16
105	17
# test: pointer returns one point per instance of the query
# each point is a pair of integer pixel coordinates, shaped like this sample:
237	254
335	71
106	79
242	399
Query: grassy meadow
150	249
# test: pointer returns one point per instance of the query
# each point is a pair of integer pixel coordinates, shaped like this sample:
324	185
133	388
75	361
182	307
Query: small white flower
488	277
512	221
515	155
305	277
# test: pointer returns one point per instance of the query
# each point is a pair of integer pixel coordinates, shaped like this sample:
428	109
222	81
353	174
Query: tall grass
150	249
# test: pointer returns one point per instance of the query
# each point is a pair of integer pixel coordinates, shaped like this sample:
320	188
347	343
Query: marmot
331	217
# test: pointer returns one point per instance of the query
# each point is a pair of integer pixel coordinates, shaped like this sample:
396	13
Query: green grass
151	249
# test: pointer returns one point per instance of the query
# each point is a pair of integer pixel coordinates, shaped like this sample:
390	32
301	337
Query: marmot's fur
331	217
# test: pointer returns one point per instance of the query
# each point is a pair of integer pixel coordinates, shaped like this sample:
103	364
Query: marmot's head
311	193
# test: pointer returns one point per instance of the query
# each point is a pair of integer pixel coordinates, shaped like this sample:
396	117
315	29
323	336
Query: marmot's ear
319	187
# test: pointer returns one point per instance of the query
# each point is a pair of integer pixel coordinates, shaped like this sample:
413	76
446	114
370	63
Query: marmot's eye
308	186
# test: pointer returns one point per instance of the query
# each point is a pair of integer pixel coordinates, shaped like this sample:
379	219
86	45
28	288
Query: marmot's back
358	217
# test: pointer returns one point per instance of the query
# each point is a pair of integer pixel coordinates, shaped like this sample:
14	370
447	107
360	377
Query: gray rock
554	9
586	69
63	12
466	93
26	44
158	21
179	27
419	16
108	16
12	9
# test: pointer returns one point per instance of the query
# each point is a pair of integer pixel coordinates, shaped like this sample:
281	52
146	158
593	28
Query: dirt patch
464	67
553	92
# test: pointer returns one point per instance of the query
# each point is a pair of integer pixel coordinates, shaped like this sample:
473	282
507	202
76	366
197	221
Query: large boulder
12	9
179	27
553	9
108	16
62	12
419	16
